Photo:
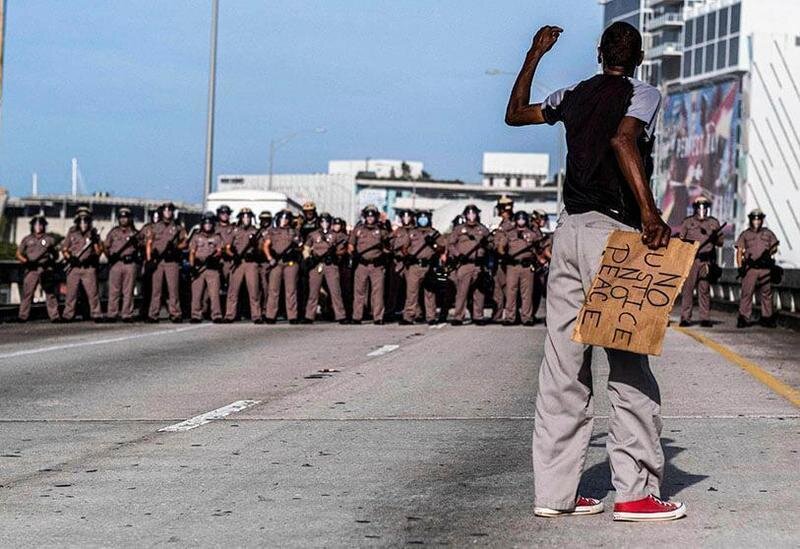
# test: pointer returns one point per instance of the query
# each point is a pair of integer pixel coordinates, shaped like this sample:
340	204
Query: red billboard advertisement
697	150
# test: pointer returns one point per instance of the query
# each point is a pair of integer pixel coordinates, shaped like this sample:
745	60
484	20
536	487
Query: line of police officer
287	260
756	247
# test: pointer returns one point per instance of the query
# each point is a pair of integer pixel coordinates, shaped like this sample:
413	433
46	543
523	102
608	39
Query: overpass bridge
331	435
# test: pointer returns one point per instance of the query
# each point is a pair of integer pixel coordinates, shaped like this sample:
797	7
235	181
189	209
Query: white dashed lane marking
208	417
383	350
66	346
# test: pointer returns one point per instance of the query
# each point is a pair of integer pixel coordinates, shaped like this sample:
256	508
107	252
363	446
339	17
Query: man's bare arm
520	111
655	233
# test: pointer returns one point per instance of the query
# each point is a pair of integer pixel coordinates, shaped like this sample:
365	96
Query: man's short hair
620	45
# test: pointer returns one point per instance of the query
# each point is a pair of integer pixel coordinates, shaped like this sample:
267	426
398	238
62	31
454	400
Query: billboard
697	150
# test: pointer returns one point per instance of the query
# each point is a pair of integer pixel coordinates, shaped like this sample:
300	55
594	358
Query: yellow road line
786	391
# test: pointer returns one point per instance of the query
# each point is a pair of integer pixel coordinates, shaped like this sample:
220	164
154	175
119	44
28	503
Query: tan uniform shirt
37	248
118	238
368	241
321	243
417	245
162	233
240	239
282	240
205	245
699	230
75	241
466	240
226	232
520	244
754	243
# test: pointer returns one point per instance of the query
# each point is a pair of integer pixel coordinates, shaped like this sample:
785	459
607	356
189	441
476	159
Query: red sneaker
583	506
649	509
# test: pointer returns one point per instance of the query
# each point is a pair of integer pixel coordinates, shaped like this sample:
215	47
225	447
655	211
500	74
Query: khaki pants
756	279
208	280
286	273
169	272
330	273
519	279
86	277
416	280
563	422
374	276
33	278
467	280
499	294
263	272
698	277
121	282
247	272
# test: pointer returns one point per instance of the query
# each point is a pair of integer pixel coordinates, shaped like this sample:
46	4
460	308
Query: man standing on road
166	241
282	249
205	253
755	249
468	245
519	246
703	228
368	246
505	209
122	251
420	247
82	249
609	120
243	248
264	225
37	255
326	249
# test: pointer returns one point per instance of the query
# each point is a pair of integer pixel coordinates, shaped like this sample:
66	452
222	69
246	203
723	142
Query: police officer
81	250
307	223
166	241
505	209
326	249
264	224
368	245
755	249
37	255
519	246
225	228
396	266
122	250
468	244
205	254
339	226
147	278
703	228
243	247
539	221
421	245
282	250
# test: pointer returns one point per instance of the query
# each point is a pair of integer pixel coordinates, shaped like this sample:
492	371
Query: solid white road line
208	417
383	350
438	326
98	342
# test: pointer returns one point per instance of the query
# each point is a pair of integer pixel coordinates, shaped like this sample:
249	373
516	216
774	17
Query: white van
258	201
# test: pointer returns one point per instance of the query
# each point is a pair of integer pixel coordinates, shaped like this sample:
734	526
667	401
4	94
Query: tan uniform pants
209	280
33	278
263	271
373	275
698	277
121	282
415	281
330	274
467	278
756	279
169	272
286	273
499	294
519	279
86	277
247	272
563	422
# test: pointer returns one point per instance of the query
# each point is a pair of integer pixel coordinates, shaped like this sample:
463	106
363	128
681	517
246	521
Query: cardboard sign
628	305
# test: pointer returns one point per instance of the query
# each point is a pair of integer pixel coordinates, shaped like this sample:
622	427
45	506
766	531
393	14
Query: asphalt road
420	436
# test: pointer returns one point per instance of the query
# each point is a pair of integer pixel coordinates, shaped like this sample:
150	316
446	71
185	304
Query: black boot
741	322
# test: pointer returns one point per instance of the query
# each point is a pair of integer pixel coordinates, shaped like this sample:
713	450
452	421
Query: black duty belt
377	261
477	261
523	262
418	261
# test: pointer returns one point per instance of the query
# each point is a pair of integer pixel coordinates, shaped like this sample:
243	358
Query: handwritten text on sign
628	305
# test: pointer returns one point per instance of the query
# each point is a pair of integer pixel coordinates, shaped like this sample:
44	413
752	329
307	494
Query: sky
123	86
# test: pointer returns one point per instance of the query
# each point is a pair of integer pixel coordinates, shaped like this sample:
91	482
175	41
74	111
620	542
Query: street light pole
212	82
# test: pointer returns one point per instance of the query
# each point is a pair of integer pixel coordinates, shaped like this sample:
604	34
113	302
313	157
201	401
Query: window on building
698	61
688	34
711	26
736	18
687	63
721	51
699	30
710	58
733	51
508	181
491	181
723	22
519	182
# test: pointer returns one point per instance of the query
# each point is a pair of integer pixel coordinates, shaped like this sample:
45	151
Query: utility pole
212	82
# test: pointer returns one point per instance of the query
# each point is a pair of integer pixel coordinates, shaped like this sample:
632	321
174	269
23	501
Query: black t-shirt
591	112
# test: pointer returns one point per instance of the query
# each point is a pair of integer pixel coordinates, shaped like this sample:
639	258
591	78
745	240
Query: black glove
742	271
430	240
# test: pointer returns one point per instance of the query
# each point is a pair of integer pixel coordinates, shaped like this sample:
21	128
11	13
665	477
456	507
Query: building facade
507	171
